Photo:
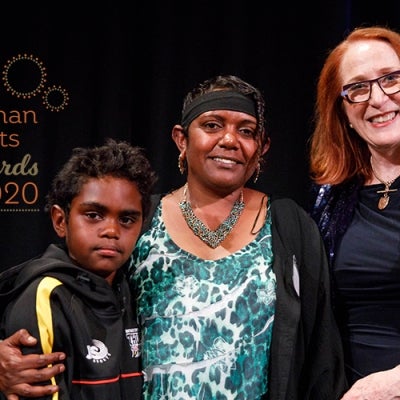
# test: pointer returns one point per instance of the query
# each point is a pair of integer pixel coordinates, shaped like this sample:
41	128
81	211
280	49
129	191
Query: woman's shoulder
277	203
254	196
283	202
286	211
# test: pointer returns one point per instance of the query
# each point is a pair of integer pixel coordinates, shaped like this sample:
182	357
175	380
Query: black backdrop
74	76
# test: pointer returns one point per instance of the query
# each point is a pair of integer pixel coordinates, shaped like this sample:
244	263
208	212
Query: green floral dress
206	324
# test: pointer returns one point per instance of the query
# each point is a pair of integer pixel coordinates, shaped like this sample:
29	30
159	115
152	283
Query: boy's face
103	226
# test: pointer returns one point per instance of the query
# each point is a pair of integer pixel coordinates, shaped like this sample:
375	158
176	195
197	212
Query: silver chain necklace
211	238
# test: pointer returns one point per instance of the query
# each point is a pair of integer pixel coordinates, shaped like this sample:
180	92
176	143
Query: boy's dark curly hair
114	158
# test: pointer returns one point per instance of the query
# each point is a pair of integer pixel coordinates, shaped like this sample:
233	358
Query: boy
75	297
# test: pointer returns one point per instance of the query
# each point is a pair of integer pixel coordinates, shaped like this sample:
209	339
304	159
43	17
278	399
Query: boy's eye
128	220
92	215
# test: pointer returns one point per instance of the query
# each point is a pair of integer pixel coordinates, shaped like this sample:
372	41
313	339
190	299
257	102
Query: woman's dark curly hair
115	158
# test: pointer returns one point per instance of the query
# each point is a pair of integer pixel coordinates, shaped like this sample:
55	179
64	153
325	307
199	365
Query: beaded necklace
211	238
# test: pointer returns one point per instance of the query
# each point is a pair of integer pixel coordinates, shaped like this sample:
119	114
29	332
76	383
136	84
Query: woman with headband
232	286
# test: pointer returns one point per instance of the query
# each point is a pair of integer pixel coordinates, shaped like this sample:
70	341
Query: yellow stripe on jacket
44	317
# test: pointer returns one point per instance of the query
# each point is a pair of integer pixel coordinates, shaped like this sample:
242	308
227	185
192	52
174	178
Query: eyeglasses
359	92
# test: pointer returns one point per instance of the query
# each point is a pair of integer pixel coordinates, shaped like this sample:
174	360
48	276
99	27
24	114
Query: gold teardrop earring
257	173
181	163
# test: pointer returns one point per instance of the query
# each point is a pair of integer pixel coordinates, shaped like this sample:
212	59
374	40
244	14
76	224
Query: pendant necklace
211	238
384	199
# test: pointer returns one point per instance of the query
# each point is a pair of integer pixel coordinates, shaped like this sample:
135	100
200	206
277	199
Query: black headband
218	100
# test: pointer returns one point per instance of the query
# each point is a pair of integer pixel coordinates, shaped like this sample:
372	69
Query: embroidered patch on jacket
97	352
134	341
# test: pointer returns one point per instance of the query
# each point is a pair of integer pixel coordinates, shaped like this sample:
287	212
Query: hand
18	372
383	385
